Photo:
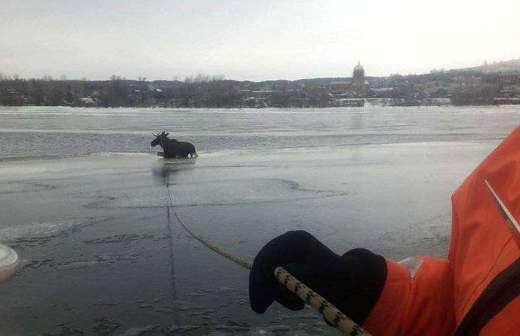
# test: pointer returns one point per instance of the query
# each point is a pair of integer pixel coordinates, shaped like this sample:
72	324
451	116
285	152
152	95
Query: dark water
88	208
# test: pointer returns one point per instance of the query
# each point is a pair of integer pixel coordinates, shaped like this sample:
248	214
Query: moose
173	148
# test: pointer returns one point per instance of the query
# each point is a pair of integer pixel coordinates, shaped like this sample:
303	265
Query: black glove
352	282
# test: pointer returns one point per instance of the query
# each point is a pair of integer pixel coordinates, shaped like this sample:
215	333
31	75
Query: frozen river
86	205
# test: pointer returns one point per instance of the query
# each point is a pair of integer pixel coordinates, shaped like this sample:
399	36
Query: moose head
159	139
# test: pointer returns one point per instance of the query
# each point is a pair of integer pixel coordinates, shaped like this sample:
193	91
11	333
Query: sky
252	40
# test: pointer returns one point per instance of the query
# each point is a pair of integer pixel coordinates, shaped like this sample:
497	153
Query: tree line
462	88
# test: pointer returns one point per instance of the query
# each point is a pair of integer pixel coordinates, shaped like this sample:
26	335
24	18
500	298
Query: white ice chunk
8	262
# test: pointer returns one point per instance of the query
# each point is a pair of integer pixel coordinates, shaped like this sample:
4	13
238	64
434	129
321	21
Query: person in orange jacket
476	291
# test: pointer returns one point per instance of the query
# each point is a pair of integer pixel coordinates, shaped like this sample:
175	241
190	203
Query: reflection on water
166	167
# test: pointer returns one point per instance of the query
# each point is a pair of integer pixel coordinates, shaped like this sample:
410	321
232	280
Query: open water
49	131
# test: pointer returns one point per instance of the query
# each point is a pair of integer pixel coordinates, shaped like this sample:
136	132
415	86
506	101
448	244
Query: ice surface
94	235
103	253
61	131
8	262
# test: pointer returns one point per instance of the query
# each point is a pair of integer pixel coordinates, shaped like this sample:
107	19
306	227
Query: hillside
509	67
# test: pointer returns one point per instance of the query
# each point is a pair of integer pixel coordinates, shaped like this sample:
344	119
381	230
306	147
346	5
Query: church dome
359	72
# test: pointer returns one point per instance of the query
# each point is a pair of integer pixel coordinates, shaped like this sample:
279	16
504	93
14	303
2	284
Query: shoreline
353	108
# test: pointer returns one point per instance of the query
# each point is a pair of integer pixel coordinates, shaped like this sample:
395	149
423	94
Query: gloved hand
352	282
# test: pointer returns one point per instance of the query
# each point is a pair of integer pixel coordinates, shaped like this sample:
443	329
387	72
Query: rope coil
332	314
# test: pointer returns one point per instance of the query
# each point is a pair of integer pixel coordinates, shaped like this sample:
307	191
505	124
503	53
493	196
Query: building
359	84
356	88
358	75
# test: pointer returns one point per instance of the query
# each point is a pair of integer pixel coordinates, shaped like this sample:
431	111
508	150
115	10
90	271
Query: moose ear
166	134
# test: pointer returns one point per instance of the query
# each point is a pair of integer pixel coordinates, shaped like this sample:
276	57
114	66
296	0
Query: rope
332	314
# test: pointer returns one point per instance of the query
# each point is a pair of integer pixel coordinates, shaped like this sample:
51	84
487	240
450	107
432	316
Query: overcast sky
256	40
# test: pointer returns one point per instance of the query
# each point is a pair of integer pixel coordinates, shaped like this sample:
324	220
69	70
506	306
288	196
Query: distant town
497	83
